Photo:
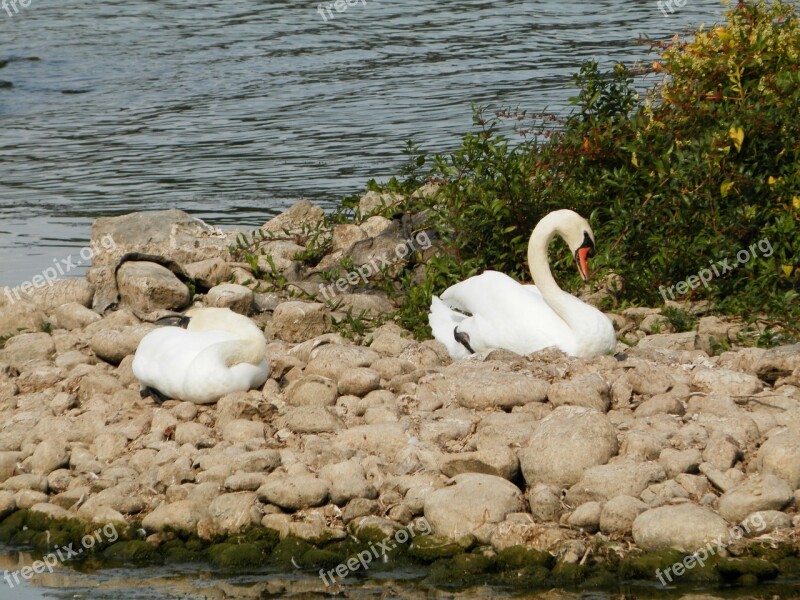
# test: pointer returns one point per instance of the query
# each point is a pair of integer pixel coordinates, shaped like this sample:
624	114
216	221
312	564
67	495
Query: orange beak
582	258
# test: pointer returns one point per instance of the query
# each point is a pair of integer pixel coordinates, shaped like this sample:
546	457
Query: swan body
217	353
503	313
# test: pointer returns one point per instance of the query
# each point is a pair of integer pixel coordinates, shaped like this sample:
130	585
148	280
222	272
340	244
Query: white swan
215	351
526	318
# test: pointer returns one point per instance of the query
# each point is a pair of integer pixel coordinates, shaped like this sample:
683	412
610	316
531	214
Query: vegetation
702	166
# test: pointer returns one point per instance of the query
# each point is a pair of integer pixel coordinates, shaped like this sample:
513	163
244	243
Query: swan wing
507	314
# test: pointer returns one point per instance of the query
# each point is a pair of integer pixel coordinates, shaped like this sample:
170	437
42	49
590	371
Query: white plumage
503	313
218	353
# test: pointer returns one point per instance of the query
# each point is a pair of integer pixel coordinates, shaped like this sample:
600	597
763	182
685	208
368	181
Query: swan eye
588	242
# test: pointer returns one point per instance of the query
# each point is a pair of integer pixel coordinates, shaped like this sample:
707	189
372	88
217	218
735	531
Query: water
233	110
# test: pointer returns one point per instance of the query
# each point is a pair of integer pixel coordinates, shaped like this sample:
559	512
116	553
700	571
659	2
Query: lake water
233	110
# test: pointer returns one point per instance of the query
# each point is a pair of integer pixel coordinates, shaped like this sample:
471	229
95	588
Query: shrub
703	165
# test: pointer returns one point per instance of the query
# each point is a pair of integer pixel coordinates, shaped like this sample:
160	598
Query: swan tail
444	321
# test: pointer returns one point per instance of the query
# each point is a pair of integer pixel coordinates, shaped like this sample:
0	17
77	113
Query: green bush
702	166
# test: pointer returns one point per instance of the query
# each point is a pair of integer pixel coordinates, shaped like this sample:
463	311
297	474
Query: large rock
778	362
619	513
297	217
49	456
49	294
566	443
74	315
171	233
685	527
26	347
472	505
483	389
181	516
300	321
148	286
725	381
230	513
347	481
112	345
603	482
294	492
780	455
312	390
238	298
19	315
758	492
589	390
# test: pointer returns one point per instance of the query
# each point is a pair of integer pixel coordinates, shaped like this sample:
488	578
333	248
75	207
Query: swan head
577	233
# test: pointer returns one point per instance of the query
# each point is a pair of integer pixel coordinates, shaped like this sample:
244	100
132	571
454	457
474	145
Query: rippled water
232	110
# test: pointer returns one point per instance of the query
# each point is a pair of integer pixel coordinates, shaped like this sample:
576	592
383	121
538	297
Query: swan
525	318
215	351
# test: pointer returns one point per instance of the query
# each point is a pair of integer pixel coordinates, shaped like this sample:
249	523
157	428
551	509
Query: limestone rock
294	493
74	315
113	345
300	215
295	321
685	527
603	482
619	513
238	298
756	493
780	455
148	287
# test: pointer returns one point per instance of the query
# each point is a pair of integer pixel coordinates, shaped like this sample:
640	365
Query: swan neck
539	264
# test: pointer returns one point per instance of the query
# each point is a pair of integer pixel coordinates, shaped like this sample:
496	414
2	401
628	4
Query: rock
589	390
242	430
756	493
196	434
780	456
181	516
603	482
680	461
26	482
294	493
373	201
685	527
302	215
345	235
347	481
765	521
49	456
27	347
8	463
238	298
586	517
312	391
233	512
545	502
778	362
498	460
109	446
209	272
660	404
147	287
388	440
313	419
721	451
472	505
358	381
669	341
7	504
483	389
295	321
725	381
19	316
74	315
619	513
113	345
566	442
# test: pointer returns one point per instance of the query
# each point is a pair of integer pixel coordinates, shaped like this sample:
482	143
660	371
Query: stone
756	493
589	390
545	502
680	461
485	389
778	362
567	442
299	216
498	460
27	347
113	345
75	315
358	381
721	451
294	493
196	434
49	456
181	516
147	287
209	272
603	482
19	316
313	419
230	513
296	321
619	513
586	517
242	430
312	390
725	381
765	521
473	504
238	298
780	456
347	481
685	527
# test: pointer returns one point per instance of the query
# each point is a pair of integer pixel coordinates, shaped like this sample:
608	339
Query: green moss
524	577
132	552
236	556
733	568
429	548
287	549
644	566
321	559
519	556
568	574
600	578
369	535
460	570
789	566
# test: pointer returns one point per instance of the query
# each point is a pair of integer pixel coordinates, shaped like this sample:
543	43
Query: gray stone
294	492
74	315
780	455
295	321
238	298
756	493
685	527
148	287
619	513
586	517
603	482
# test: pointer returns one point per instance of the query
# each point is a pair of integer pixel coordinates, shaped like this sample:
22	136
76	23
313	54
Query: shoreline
526	471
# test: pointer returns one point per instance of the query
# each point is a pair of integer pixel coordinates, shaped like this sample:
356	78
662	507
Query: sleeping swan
215	351
525	318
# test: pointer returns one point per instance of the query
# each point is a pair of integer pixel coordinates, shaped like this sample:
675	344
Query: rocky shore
522	471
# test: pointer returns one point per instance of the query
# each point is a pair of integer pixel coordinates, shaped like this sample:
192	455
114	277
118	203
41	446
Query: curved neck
539	265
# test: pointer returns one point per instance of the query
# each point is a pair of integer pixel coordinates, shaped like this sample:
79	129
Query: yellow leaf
771	180
787	270
634	160
796	202
723	189
737	135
